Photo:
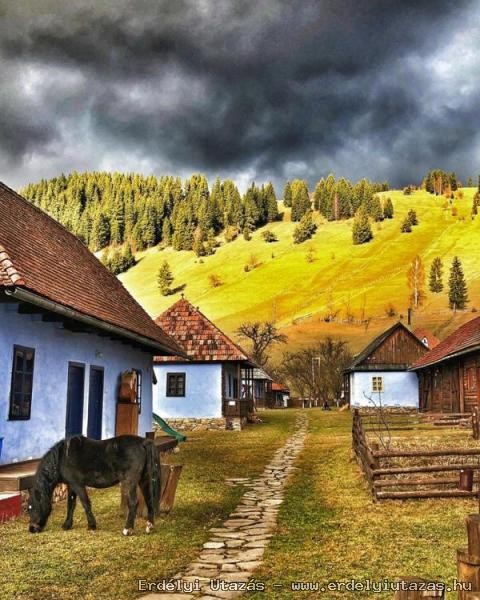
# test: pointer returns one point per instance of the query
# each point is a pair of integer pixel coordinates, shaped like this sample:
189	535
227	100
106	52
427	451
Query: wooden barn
380	372
449	374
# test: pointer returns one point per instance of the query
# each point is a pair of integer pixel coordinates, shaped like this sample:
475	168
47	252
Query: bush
252	263
118	261
406	226
246	234
412	217
310	255
231	233
215	280
390	310
269	236
305	229
408	190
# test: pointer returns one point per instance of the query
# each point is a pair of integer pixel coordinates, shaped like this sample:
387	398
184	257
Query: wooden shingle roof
463	340
39	255
201	340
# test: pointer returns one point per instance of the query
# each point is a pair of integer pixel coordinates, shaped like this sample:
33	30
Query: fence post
468	560
418	594
475	423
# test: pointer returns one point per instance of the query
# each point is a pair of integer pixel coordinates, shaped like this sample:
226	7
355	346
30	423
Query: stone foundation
235	423
191	424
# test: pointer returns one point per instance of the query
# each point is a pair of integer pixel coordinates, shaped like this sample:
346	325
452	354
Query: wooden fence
406	473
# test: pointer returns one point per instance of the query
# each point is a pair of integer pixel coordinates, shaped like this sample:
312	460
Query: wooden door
95	403
75	395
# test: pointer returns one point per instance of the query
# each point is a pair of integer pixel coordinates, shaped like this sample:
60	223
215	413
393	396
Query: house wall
203	391
400	388
54	348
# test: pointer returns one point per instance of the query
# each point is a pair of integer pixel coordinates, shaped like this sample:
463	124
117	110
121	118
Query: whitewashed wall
203	391
54	349
400	388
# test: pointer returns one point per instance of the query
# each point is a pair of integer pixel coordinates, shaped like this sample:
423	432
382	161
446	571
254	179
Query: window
176	384
377	384
22	381
471	379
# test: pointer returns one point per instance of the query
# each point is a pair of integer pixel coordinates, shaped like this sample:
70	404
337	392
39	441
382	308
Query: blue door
95	403
75	393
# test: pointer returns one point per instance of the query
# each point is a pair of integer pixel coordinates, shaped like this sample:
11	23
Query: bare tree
416	282
262	336
317	371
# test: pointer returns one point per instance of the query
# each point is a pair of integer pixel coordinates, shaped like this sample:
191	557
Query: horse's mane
48	472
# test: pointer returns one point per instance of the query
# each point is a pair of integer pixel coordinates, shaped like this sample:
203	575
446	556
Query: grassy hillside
360	280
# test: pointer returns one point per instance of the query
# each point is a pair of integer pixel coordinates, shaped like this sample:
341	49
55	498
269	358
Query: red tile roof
465	338
41	256
278	387
200	339
422	334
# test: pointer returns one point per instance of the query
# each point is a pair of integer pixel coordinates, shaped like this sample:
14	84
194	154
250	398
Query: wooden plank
427	494
420	453
412	482
423	469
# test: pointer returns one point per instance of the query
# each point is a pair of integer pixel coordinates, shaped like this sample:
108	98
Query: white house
68	330
379	374
216	380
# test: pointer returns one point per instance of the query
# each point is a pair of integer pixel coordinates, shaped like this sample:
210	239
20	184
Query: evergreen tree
99	237
305	229
300	199
435	282
361	230
412	217
271	203
457	286
406	226
469	182
165	279
388	211
287	195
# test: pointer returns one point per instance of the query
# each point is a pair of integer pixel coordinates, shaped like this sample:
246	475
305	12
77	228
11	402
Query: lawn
59	565
361	280
330	529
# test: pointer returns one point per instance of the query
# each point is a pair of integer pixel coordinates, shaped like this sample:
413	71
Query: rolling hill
354	283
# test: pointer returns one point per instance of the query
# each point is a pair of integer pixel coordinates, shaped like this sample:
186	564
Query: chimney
409	318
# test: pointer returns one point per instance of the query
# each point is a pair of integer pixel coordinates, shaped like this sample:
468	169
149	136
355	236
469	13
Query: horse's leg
132	503
87	505
71	501
146	487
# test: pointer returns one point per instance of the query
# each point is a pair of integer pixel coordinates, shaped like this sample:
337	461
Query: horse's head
39	507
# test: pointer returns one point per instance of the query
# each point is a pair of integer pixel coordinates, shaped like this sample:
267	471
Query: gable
397	347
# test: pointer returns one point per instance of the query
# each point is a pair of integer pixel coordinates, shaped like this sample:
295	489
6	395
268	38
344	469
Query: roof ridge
7	266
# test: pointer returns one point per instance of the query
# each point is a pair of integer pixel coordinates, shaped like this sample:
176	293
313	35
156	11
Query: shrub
406	226
215	280
412	217
305	229
231	233
310	255
269	236
252	263
246	234
408	190
454	211
118	261
390	310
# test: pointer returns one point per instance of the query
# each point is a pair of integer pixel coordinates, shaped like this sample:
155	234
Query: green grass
331	530
297	293
61	565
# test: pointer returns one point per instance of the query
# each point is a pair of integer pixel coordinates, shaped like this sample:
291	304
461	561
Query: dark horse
81	462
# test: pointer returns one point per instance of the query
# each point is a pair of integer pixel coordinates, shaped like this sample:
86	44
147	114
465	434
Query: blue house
70	334
379	375
214	384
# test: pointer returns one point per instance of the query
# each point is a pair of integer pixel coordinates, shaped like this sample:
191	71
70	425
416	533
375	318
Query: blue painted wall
400	388
203	391
54	348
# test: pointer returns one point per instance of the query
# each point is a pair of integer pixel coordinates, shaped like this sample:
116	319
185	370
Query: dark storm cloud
247	88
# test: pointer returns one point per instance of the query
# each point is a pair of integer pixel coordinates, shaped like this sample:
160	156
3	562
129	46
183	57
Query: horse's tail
154	474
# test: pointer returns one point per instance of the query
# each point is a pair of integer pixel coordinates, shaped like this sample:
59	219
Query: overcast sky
247	89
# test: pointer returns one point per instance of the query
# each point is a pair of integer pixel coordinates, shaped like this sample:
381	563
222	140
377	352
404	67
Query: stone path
235	550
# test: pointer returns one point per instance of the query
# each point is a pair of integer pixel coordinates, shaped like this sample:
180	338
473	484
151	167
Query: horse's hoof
149	527
127	531
67	526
